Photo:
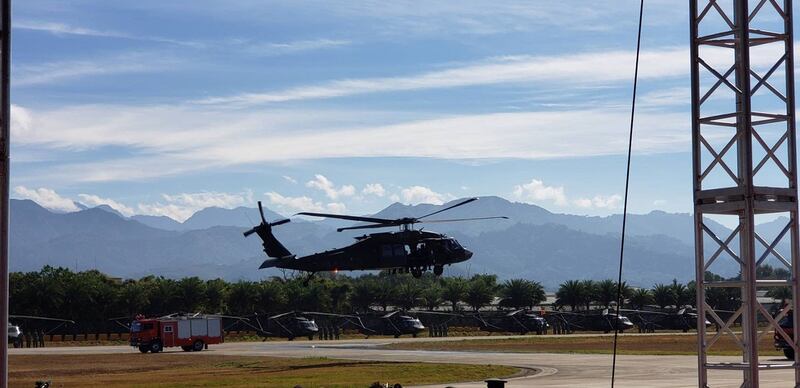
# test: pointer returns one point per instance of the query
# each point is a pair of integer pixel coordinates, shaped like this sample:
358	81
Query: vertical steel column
737	193
5	132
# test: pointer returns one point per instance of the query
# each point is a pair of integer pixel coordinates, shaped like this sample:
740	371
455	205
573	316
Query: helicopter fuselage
388	250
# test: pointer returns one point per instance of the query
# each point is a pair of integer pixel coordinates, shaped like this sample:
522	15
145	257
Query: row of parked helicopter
297	324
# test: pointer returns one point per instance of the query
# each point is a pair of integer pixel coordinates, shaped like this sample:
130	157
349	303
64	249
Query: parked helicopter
38	326
605	321
518	321
650	321
289	325
409	250
395	323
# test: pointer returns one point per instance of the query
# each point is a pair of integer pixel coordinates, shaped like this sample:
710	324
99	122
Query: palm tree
680	294
520	293
480	291
454	290
431	296
363	295
663	296
408	295
570	293
191	294
215	295
242	298
640	297
589	292
606	292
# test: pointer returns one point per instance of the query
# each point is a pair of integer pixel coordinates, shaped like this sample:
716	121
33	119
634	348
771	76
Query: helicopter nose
467	254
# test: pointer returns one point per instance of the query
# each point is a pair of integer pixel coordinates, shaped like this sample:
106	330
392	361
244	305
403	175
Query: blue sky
347	106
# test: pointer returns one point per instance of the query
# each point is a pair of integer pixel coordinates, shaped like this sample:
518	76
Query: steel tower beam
744	158
5	131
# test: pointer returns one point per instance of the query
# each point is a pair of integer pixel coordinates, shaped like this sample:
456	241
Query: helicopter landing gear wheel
438	270
416	272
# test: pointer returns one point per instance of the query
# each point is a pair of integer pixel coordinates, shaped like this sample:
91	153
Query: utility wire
627	184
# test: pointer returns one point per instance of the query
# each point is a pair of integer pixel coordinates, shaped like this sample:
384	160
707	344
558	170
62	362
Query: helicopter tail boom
272	247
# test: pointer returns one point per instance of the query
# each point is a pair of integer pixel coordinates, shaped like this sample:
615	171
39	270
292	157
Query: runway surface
551	370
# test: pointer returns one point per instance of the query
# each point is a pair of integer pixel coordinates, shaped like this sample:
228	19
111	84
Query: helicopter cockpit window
453	245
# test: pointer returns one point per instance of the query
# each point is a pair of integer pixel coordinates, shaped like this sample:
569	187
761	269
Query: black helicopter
605	321
288	325
395	323
650	321
408	250
518	321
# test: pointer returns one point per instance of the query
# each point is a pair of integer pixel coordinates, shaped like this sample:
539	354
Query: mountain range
535	243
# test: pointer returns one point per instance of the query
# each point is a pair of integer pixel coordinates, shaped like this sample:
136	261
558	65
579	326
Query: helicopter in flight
407	250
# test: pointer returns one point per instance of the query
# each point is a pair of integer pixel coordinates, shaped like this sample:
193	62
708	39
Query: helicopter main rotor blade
372	226
261	212
465	219
349	218
449	207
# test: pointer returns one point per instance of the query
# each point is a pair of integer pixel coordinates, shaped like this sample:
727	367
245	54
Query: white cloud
47	198
21	121
609	202
667	97
52	72
210	199
659	202
94	200
421	194
374	189
66	29
170	140
303	204
537	191
290	179
589	68
336	207
320	182
275	49
183	205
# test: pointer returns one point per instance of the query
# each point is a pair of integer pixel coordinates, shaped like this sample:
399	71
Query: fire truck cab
190	332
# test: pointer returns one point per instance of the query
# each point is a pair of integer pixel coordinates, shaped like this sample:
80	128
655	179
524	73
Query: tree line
91	297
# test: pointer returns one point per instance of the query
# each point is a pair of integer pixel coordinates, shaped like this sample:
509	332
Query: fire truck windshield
137	326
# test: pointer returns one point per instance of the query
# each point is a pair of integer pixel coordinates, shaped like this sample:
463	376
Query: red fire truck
190	332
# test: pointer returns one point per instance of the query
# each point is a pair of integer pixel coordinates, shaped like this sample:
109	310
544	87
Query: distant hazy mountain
535	243
160	222
209	217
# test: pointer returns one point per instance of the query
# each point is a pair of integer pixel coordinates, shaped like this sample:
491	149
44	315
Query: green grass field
171	370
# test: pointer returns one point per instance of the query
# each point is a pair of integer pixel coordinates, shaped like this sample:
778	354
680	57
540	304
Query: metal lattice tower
744	168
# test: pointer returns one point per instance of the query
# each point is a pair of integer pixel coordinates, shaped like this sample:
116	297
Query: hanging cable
625	202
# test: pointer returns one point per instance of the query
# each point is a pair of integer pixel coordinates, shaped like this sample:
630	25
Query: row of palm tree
91	296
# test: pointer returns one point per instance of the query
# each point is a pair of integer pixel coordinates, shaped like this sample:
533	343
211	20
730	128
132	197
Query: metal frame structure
728	143
5	132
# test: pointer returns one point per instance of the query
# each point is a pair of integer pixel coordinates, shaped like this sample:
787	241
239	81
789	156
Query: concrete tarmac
545	369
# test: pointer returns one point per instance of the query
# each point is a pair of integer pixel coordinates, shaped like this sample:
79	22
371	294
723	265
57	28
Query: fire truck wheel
186	348
143	349
197	346
789	353
155	347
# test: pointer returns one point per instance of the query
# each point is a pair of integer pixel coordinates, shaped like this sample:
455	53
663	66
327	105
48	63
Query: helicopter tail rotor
272	247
